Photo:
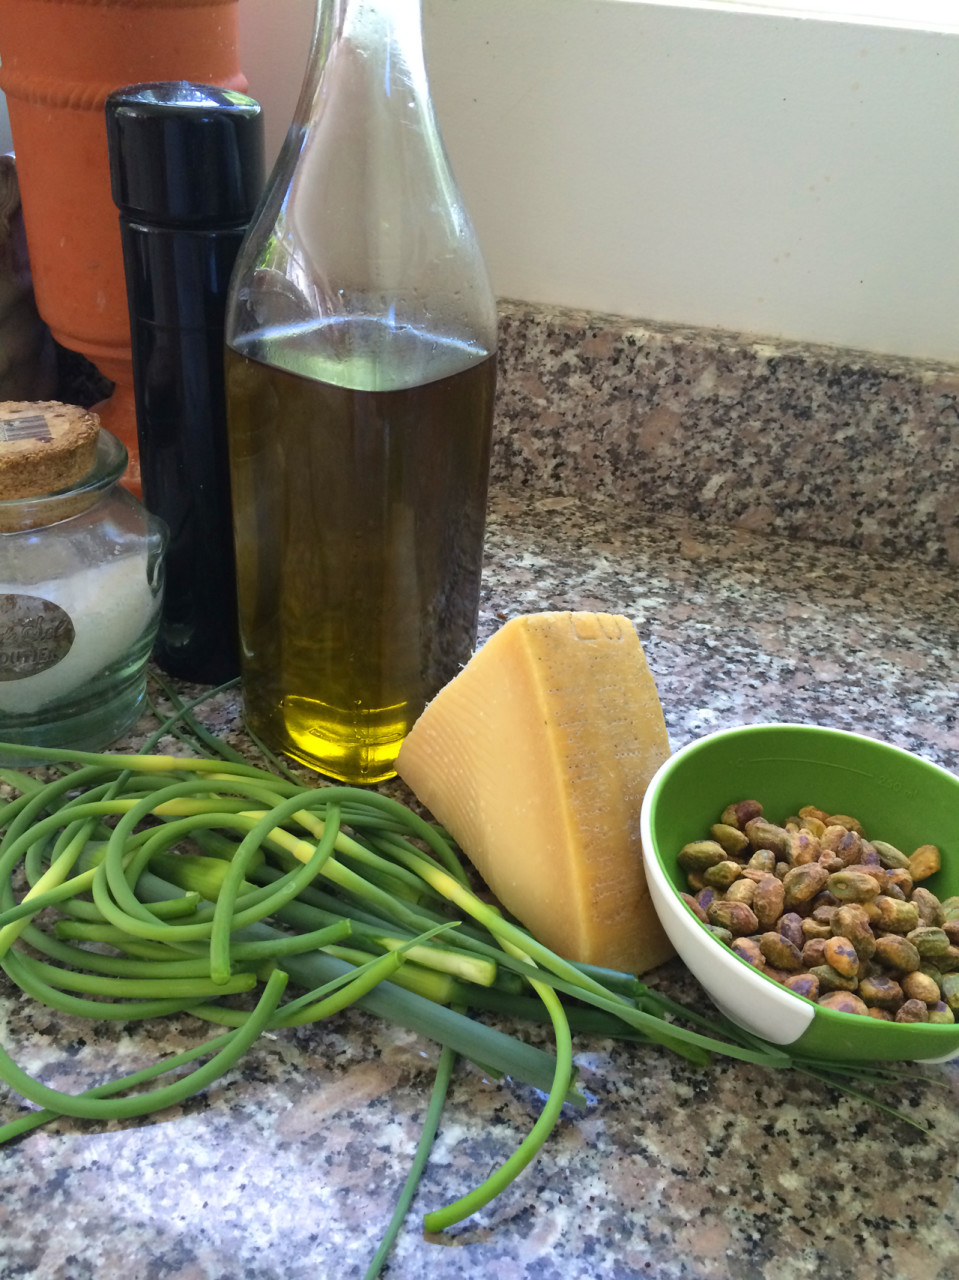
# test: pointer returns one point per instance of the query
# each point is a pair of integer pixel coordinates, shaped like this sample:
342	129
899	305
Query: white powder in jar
110	606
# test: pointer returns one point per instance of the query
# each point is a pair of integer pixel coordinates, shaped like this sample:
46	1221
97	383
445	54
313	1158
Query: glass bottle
360	367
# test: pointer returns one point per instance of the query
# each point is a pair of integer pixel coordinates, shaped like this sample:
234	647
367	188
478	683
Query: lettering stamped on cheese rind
596	626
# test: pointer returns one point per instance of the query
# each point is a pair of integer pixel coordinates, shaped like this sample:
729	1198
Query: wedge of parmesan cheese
536	758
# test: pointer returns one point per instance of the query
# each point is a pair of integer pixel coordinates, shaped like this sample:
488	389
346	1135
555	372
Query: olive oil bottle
360	376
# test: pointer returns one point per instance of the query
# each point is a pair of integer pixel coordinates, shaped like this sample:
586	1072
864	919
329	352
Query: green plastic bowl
897	797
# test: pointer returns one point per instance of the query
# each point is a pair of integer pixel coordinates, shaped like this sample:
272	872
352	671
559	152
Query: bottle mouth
17	514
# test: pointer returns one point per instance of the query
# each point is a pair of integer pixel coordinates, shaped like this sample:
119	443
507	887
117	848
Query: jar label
35	634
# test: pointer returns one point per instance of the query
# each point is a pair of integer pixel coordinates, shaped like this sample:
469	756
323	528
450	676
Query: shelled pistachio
830	913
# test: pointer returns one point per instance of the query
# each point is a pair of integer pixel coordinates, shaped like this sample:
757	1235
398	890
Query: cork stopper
45	447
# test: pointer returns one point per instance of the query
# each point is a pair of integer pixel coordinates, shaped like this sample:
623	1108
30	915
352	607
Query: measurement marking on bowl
794	760
893	784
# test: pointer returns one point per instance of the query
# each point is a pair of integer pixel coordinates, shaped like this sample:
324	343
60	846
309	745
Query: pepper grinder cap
185	154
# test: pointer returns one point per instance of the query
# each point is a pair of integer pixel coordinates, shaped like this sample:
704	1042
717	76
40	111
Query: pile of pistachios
831	914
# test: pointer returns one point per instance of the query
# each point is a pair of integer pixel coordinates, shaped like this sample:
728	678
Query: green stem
166	1095
77	1006
488	1190
34	1119
183	711
225	918
486	1046
441	1083
166	987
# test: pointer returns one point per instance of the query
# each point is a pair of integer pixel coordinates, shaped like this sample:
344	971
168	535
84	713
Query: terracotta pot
60	60
27	360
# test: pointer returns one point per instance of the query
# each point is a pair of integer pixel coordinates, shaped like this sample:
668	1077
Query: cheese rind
536	758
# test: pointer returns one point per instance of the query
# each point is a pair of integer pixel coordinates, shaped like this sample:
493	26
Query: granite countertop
290	1165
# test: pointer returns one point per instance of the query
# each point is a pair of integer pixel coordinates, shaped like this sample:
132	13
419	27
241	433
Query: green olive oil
359	517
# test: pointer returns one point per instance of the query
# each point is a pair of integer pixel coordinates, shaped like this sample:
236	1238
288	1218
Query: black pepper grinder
186	170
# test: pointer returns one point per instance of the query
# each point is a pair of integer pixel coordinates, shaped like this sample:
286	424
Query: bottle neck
377	22
363	245
387	33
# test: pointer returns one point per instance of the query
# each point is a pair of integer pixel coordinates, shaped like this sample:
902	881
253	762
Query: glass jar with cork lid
81	579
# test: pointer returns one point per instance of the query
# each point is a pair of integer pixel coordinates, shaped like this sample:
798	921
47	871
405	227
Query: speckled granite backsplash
814	442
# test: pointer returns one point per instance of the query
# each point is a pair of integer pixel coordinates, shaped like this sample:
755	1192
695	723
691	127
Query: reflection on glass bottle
361	364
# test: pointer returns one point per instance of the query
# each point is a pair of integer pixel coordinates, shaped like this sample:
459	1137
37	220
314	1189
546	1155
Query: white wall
786	176
6	142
